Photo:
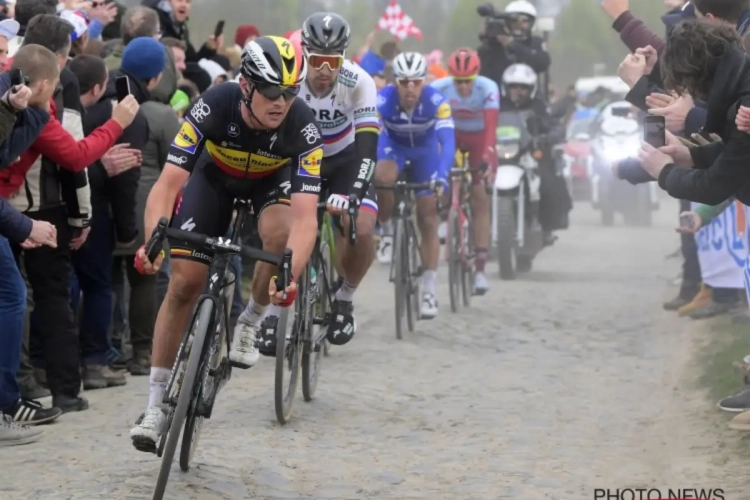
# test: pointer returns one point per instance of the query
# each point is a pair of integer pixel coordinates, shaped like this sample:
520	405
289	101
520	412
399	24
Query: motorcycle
577	160
516	234
610	194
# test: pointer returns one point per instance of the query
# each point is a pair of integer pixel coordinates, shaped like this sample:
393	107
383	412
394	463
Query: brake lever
353	212
284	278
154	245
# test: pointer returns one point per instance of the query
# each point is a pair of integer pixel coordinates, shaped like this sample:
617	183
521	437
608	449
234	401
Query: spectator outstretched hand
120	159
696	220
653	160
124	111
615	8
657	100
676	113
678	151
19	99
651	57
104	12
632	68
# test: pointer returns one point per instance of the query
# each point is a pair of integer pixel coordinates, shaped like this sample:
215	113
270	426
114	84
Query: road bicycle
303	346
202	365
406	264
460	240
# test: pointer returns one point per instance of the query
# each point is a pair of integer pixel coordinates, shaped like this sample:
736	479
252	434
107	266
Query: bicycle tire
312	353
200	330
413	271
330	239
400	278
288	354
455	262
467	260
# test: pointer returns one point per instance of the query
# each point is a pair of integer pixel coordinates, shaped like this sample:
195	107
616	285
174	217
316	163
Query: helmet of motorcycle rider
273	61
464	63
523	14
409	66
325	32
519	76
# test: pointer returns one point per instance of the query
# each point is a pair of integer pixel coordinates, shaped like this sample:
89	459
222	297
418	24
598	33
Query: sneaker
148	429
429	308
267	342
141	363
481	284
385	249
28	412
12	433
737	402
101	377
740	422
701	300
70	403
712	310
244	353
116	359
443	232
342	327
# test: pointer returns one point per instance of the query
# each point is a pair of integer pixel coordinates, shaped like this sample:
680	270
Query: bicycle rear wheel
319	307
288	355
199	330
455	263
400	276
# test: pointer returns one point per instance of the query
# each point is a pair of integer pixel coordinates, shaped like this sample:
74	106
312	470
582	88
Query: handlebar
352	211
409	186
162	231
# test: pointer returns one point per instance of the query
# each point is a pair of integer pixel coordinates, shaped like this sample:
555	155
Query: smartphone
219	29
654	131
122	86
622	112
687	221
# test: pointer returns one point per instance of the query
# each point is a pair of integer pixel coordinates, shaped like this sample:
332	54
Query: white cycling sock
386	228
346	292
157	385
253	313
429	281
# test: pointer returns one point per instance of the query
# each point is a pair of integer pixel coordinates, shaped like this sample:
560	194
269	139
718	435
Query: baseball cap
9	28
78	21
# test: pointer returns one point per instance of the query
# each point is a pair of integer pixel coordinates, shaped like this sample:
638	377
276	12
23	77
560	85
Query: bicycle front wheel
288	355
413	272
400	276
317	307
454	258
199	329
467	260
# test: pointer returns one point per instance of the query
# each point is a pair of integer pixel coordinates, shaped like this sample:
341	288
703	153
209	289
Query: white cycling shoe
429	307
385	249
481	284
443	232
244	352
147	432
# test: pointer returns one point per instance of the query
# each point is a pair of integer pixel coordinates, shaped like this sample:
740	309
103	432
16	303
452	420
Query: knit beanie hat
144	58
244	32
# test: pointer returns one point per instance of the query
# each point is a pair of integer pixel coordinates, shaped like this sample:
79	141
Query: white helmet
410	65
521	7
520	74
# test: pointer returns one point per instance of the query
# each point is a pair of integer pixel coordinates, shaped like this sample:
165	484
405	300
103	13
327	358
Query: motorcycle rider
507	39
519	88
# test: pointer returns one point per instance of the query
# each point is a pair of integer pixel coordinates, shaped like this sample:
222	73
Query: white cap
213	69
9	28
78	21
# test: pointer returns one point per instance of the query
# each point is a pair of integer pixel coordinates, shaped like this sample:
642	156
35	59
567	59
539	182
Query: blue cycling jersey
468	112
415	135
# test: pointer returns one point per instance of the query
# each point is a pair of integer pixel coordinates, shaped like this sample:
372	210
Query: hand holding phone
690	223
122	87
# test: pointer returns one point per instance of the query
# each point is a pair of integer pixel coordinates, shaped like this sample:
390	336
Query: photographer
506	39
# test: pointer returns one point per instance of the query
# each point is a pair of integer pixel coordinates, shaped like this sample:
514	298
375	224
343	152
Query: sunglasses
404	82
463	81
273	92
333	61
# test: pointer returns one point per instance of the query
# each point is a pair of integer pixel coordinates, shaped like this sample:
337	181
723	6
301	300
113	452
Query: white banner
723	249
747	260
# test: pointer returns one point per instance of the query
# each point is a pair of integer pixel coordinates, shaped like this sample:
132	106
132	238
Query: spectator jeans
93	269
49	273
12	309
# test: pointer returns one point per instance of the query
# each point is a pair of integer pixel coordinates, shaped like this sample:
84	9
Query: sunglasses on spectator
404	82
273	92
333	61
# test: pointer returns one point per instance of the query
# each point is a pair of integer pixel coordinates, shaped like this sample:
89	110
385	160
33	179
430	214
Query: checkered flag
398	22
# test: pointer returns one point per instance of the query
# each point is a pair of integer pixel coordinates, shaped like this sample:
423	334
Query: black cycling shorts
207	206
338	174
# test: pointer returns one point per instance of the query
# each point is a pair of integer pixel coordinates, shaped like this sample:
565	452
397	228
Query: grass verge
728	343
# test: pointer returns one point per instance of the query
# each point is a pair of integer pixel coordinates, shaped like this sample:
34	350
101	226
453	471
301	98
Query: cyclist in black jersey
251	140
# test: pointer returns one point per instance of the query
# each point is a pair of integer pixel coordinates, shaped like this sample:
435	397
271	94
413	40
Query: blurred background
581	34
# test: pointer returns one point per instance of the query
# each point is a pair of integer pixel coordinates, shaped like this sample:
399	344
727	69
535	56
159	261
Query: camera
496	23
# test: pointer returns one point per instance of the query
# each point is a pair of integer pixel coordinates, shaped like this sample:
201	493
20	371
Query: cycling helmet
409	65
520	74
464	63
325	31
273	60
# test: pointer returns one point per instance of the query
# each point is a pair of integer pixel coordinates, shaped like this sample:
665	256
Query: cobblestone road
550	386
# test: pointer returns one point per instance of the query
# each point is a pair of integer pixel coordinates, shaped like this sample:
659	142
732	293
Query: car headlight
506	151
